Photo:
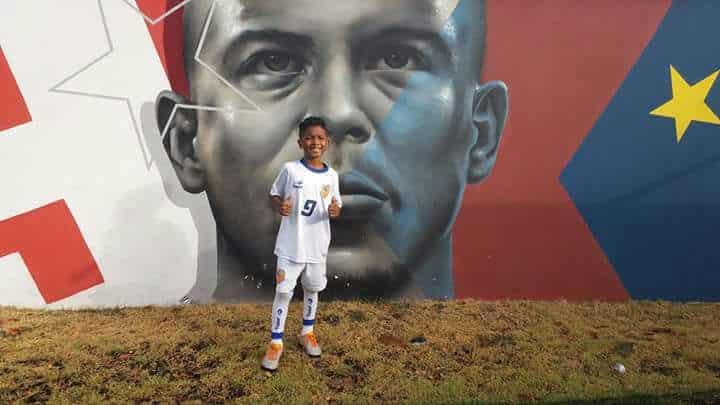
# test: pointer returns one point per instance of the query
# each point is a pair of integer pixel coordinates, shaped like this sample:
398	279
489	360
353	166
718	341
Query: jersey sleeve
279	186
336	190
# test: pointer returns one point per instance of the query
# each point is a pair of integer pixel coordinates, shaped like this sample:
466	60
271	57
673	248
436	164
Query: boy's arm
276	202
336	202
336	192
283	207
277	191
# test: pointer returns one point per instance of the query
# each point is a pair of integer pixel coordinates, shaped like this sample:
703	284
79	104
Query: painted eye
271	69
277	62
397	58
273	63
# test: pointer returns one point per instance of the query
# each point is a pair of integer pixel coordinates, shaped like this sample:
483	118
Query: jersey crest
325	191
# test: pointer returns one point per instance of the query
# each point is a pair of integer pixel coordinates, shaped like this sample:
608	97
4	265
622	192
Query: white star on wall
117	74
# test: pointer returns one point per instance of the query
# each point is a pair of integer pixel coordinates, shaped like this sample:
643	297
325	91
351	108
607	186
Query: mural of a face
398	84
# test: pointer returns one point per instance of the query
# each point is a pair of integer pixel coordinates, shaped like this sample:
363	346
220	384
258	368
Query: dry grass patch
425	351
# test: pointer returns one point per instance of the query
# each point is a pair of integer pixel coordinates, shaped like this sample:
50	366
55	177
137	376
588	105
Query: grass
507	351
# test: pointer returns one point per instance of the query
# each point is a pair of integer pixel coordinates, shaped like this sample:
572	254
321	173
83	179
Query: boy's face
396	83
314	142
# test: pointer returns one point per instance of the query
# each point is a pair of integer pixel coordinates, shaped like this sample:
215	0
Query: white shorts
313	276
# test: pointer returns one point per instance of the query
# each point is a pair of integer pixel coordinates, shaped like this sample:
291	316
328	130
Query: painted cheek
254	139
421	116
419	138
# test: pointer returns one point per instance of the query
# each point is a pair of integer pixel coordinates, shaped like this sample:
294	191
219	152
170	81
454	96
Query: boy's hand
286	207
334	209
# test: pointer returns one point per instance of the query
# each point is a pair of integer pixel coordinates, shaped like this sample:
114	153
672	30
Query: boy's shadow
206	279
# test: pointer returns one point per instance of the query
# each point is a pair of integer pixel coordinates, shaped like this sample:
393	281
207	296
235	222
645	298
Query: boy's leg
279	310
310	302
314	280
286	277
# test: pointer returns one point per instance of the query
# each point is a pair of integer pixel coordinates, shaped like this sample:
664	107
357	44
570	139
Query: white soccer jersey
304	235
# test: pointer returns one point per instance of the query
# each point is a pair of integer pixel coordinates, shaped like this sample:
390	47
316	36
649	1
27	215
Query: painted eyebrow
435	39
290	39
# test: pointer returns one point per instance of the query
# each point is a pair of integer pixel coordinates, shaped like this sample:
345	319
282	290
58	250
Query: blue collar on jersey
312	169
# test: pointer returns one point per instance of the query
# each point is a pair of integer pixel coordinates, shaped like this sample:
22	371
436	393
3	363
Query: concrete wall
514	149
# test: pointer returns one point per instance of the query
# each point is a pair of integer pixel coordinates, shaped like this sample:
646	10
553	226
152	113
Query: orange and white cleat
310	344
272	356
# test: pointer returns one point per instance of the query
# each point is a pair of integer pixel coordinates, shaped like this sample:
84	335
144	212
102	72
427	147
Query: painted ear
490	109
178	126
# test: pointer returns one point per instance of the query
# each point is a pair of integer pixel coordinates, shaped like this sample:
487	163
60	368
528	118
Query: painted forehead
442	9
316	16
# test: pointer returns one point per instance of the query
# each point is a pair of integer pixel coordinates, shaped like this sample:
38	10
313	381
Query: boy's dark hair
311	122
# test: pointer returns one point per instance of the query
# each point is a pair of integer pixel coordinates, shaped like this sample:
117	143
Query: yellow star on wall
688	103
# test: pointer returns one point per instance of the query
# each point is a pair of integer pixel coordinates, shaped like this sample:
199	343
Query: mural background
92	218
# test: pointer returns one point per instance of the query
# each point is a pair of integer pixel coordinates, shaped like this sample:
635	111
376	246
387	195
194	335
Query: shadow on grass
707	397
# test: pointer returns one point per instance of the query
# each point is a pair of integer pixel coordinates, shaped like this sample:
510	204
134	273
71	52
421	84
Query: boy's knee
281	296
285	287
315	285
284	284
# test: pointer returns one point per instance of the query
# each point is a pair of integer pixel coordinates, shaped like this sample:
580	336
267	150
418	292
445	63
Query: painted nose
337	102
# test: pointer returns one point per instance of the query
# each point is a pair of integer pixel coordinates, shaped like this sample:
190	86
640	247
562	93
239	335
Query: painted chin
357	250
360	262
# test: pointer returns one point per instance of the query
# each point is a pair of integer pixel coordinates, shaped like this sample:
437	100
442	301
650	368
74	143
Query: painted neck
433	276
239	277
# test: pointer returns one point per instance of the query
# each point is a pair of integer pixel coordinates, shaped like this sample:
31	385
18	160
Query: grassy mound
425	351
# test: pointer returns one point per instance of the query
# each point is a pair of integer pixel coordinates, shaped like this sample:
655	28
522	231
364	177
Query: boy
306	193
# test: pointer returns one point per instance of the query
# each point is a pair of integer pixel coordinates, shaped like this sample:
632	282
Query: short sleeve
336	190
279	186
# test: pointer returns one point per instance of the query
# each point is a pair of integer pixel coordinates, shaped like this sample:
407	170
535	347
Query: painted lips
361	196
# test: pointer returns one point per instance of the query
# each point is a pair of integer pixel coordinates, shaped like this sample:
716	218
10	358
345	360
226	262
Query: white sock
310	304
279	314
